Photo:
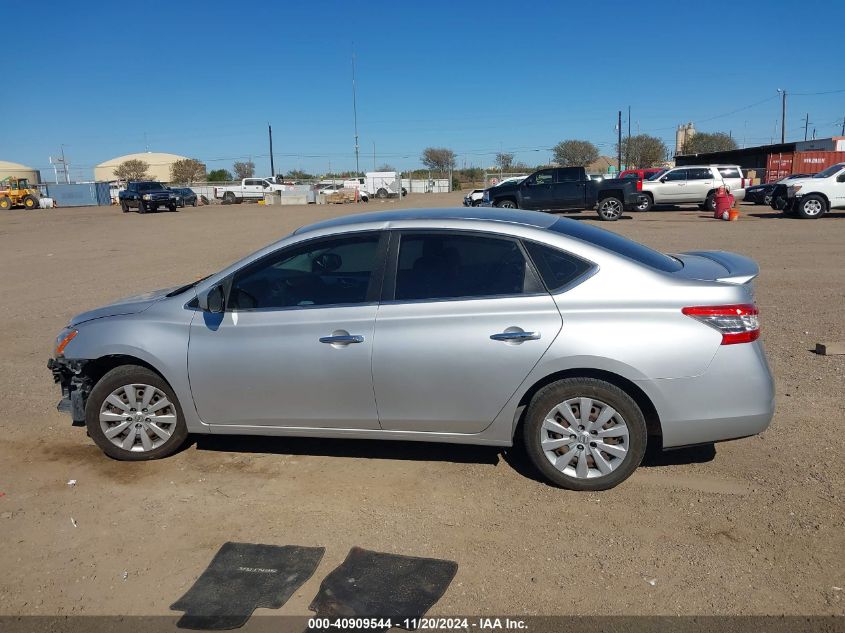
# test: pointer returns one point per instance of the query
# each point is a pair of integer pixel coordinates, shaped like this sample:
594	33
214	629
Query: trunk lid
718	266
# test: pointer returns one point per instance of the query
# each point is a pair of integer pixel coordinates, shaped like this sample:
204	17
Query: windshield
616	244
830	171
150	186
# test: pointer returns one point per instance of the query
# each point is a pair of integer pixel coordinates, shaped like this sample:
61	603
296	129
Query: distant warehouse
159	165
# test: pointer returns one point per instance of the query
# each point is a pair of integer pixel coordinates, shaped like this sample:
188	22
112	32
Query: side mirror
841	177
212	300
664	179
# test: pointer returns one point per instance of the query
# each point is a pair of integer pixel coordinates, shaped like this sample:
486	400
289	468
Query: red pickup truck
640	174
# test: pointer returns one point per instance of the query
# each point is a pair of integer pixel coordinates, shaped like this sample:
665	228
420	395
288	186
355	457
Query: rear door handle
515	336
342	339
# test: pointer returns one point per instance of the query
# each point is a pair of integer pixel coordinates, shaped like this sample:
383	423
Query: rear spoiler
740	269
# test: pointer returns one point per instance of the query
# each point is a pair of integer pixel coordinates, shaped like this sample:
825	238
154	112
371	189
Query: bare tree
187	171
504	160
438	159
133	169
386	167
244	169
575	153
643	151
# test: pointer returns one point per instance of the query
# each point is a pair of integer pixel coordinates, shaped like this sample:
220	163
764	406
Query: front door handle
515	336
342	339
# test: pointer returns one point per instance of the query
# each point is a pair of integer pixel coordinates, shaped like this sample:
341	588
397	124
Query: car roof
486	214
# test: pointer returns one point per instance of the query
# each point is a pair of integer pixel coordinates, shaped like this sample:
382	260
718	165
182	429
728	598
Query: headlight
146	196
65	337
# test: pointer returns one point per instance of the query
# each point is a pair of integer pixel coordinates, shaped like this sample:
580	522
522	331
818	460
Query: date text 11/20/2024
430	624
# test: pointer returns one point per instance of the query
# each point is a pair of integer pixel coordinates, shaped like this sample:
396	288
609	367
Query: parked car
693	184
473	198
363	196
248	189
762	193
147	195
640	174
563	188
812	197
186	196
490	324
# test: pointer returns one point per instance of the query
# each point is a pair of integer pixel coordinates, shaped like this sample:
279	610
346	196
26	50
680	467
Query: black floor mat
377	585
243	577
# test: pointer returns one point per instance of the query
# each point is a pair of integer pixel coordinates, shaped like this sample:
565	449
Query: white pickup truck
249	189
812	197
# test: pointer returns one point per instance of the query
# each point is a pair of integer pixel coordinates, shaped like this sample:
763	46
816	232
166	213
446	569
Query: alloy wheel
611	208
584	438
813	207
137	418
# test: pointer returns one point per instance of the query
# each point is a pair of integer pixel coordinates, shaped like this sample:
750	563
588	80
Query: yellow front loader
17	192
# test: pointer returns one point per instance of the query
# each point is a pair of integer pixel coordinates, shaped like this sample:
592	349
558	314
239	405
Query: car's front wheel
644	203
811	207
132	414
506	204
584	434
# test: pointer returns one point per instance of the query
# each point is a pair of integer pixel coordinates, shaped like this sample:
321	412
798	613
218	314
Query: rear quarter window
730	172
617	244
557	268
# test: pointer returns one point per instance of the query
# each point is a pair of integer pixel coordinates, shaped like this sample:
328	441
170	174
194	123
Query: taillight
738	323
639	184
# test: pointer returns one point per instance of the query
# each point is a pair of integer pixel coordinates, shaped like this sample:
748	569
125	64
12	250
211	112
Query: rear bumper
734	398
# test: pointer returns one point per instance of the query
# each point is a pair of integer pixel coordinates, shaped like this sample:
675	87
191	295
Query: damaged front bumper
76	386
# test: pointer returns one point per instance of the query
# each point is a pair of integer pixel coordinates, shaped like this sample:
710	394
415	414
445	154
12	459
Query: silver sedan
447	325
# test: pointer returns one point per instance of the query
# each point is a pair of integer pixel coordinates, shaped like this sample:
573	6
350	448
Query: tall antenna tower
355	112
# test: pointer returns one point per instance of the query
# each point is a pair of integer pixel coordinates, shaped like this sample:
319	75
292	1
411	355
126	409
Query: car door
700	182
569	188
294	346
672	187
253	188
537	191
463	321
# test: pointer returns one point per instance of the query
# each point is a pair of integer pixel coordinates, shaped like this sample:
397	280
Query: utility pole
628	145
272	164
619	140
374	155
806	125
783	116
355	114
843	126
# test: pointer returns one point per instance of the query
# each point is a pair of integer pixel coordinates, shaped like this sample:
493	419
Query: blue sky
205	79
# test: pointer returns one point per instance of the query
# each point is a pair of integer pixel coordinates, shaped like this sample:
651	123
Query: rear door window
699	173
450	265
569	174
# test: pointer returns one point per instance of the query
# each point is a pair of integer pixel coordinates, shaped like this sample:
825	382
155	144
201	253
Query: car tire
228	198
142	207
507	203
195	202
811	207
30	203
381	193
556	406
610	209
135	439
644	203
5	203
124	207
173	207
710	202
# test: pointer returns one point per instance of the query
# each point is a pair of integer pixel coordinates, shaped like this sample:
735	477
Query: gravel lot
752	527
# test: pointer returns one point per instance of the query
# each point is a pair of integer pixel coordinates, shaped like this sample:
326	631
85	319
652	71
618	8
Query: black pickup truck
147	195
566	188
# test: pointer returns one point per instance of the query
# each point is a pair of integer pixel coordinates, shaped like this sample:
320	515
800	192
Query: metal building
159	165
17	170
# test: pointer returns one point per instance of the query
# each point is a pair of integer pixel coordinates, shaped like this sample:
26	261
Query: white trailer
378	184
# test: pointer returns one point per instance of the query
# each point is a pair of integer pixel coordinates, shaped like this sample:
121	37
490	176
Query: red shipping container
782	165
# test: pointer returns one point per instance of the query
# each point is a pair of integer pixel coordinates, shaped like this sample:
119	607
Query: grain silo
158	165
16	170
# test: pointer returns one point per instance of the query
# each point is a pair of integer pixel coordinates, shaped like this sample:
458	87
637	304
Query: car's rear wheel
132	414
228	198
584	434
506	204
610	209
811	207
381	193
710	202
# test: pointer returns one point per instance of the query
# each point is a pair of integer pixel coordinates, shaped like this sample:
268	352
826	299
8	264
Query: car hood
129	305
717	266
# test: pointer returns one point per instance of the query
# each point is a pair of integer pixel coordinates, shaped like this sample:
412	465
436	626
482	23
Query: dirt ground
752	527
